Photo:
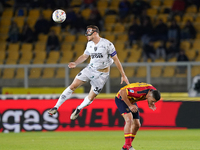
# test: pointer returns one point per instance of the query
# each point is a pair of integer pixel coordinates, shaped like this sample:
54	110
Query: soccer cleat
131	148
52	111
75	114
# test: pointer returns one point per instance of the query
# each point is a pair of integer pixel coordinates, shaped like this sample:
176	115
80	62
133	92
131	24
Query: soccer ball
59	16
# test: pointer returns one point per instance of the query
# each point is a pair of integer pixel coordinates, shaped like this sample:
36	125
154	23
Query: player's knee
137	125
129	121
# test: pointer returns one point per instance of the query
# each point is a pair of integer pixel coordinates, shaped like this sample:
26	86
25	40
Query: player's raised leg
66	95
87	101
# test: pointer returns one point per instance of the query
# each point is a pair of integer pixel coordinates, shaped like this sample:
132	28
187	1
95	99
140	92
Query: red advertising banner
102	114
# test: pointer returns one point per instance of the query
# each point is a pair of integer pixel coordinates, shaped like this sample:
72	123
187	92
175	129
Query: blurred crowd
142	28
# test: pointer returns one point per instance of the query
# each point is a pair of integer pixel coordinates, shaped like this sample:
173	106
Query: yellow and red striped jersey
137	91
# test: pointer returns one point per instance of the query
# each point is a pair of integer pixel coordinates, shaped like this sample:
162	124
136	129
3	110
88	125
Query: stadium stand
73	45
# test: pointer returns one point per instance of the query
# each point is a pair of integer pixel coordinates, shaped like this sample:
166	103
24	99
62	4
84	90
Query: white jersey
100	53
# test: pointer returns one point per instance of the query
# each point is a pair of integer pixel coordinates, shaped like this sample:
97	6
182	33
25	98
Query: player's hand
124	79
72	65
133	108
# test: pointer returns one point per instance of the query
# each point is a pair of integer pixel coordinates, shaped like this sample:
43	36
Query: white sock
85	103
66	94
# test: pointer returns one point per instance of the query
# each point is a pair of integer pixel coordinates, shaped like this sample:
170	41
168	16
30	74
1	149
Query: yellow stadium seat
3	46
196	44
67	56
174	59
187	17
197	26
13	56
4	30
57	29
114	4
8	73
135	55
156	44
109	28
119	46
195	71
11	62
191	9
141	72
155	3
40	46
19	20
20	73
47	13
26	56
66	47
69	38
42	37
169	71
121	38
48	73
168	3
129	71
102	4
163	17
38	61
39	57
13	47
25	61
102	11
34	13
7	13
114	72
53	57
197	19
122	55
177	18
82	38
160	60
152	11
86	13
2	55
110	37
79	49
31	21
60	73
185	45
73	72
5	22
35	73
118	28
156	71
110	19
76	3
191	54
26	47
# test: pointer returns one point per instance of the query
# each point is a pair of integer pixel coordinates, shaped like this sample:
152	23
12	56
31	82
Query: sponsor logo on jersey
96	55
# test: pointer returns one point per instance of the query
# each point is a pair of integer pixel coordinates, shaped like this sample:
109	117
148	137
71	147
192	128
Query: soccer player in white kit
102	53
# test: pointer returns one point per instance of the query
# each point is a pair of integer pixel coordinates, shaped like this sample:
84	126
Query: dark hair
94	28
156	94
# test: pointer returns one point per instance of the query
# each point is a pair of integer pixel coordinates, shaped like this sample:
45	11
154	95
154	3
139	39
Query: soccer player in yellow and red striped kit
126	101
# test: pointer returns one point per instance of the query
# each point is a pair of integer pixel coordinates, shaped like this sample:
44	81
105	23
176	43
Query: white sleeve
111	49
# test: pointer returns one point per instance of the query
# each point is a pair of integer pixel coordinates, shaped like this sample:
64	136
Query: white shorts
97	79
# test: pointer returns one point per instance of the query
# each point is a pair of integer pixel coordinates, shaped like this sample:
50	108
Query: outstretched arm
81	59
121	70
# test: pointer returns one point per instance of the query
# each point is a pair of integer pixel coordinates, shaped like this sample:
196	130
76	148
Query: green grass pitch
101	140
